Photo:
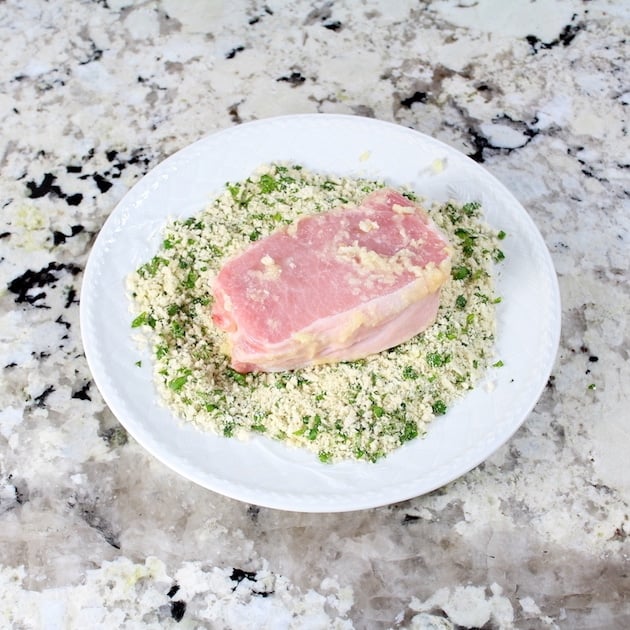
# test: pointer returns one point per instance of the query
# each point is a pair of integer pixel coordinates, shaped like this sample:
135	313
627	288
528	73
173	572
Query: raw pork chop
335	286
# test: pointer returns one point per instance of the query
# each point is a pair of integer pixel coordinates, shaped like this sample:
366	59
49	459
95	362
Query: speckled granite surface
94	533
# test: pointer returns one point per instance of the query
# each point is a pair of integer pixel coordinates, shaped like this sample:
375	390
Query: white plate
269	473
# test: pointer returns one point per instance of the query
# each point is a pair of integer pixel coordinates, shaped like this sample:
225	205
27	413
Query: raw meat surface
336	286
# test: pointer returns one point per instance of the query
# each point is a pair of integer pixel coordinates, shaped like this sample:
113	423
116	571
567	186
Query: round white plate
269	473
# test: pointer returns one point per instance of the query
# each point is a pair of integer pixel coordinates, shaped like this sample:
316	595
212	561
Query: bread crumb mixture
355	410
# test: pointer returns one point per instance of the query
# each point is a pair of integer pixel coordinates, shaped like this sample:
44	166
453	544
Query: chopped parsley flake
460	272
435	359
439	407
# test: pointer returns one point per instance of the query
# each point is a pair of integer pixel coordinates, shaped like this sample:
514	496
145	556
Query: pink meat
336	286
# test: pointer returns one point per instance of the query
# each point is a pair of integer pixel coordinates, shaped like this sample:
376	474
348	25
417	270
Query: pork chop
335	286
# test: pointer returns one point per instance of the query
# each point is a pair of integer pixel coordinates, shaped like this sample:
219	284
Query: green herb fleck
325	457
267	184
191	279
467	239
193	223
497	255
409	373
435	359
237	377
177	329
439	407
314	430
151	268
177	383
409	431
470	209
377	411
234	190
460	272
203	300
140	320
460	302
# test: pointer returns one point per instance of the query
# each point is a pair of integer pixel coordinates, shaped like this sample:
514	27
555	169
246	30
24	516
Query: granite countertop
94	532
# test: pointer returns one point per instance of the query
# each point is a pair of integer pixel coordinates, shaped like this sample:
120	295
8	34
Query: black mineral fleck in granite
94	55
114	436
253	511
60	320
82	394
21	495
60	237
74	200
480	143
173	591
24	284
334	25
91	514
256	18
294	79
70	298
566	36
137	157
103	184
41	399
234	51
178	610
416	97
46	187
234	115
238	575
